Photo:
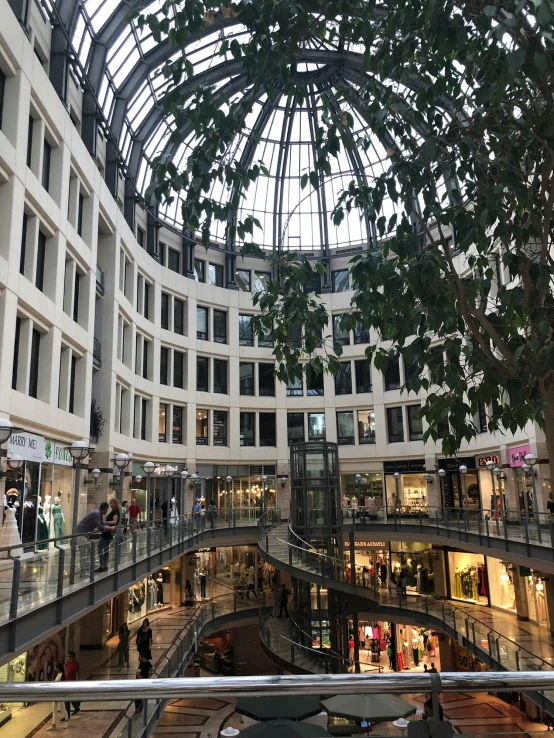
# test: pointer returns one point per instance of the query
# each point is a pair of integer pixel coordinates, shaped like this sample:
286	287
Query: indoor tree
458	279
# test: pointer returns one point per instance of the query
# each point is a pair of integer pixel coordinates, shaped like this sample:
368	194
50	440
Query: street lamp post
264	501
228	482
463	471
490	466
169	471
442	474
122	462
530	461
396	476
194	480
184	477
148	467
79	450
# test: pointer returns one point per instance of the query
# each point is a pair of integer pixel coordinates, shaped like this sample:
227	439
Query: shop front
416	647
468	577
522	482
405	486
161	496
14	671
371	566
492	487
416	561
150	595
42	491
234	567
459	491
501	576
363	490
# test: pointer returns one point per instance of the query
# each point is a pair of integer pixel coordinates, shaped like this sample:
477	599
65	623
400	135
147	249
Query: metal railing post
61	566
92	557
15	588
148	540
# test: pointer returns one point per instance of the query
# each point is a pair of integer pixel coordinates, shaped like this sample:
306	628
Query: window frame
399	410
203	335
349	440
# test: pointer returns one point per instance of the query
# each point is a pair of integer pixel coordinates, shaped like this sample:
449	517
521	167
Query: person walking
284	602
390	654
144	671
250	585
92	522
433	669
212	514
71	674
123	646
134	514
58	707
144	639
188	594
202	584
276	598
106	538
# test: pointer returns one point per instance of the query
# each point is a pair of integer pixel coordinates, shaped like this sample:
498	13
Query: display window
501	582
416	647
245	494
362	495
136	607
416	562
371	565
14	671
374	636
407	494
536	598
158	592
468	577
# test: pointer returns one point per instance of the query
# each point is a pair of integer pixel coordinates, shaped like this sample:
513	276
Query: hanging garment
160	588
482	580
58	519
458	585
42	529
383	573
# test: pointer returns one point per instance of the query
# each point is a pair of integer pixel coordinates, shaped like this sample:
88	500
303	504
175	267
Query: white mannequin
46	508
9	533
174	513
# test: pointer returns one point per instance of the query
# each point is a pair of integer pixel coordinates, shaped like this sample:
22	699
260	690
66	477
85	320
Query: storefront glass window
417	562
468	579
353	492
501	580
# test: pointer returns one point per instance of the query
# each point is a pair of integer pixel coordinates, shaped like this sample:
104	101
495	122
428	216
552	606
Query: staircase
278	645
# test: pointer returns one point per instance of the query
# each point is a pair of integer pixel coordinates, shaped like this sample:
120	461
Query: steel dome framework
120	67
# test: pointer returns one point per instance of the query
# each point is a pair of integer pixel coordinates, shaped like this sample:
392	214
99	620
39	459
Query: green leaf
515	61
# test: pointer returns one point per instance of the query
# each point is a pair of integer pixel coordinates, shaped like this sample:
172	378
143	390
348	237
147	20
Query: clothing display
136	597
42	529
159	591
466	583
152	594
58	520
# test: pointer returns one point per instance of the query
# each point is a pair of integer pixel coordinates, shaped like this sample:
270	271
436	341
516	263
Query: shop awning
275	708
374	708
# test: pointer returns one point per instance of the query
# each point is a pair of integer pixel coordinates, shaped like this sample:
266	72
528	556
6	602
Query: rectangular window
361	334
177	435
246	378
482	417
345	428
35	358
80	214
199	270
266	380
178	316
140	237
173	260
72	384
415	426
15	367
164	365
178	369
265	339
201	427
260	281
165	311
215	274
202	323
30	141
314	384
41	258
392	374
395	424
2	95
220	376
436	366
295	428
340	335
76	296
316	426
219	428
343	379
296	388
162	250
220	326
146	312
247	432
145	351
246	332
366	426
363	376
268	432
46	159
340	280
23	244
143	418
162	423
202	374
242	278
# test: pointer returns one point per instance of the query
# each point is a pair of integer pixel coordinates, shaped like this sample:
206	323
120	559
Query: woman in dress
123	646
144	639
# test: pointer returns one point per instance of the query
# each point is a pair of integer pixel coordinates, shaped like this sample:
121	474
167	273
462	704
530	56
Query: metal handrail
311	549
257	686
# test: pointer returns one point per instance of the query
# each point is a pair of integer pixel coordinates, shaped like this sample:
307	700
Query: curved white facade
74	227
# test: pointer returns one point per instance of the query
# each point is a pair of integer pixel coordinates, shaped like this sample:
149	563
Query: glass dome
124	65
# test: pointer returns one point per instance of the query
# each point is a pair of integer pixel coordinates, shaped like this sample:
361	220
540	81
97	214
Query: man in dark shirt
144	671
91	522
284	601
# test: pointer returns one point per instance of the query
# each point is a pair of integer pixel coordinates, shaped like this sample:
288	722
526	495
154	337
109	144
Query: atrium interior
154	467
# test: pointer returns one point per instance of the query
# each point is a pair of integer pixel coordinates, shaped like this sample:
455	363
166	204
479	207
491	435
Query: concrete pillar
440	572
520	589
549	599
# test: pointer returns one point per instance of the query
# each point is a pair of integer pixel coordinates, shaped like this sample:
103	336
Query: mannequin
174	514
9	533
160	590
57	517
152	593
47	511
42	527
